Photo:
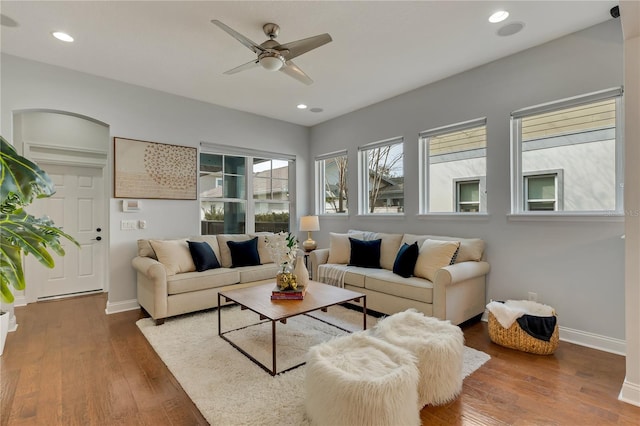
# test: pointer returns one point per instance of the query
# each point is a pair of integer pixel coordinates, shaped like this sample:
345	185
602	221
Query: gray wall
139	113
575	266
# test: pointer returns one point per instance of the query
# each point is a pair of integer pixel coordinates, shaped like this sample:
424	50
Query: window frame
320	180
482	190
424	168
363	175
558	174
249	200
517	176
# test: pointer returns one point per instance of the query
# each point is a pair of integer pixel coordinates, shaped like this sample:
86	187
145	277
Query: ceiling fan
274	56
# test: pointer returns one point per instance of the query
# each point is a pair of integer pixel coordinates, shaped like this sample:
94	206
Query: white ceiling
380	48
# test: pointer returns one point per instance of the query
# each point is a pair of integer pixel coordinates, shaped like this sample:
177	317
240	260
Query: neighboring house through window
233	201
381	177
453	168
331	183
568	155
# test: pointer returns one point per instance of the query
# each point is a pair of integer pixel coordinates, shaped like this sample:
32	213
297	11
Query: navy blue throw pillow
244	253
406	260
365	253
203	256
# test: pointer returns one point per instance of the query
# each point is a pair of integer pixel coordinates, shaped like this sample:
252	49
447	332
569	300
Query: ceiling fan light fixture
271	61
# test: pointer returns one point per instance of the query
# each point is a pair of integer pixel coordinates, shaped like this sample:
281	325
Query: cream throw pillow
174	255
340	247
434	255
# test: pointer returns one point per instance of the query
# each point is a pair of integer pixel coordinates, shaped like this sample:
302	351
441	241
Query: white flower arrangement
283	248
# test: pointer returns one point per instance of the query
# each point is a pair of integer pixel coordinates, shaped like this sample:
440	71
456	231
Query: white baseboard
590	340
125	305
630	393
595	341
20	300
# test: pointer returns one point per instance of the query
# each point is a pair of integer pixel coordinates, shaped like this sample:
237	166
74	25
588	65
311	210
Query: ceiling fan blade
292	70
248	65
242	39
298	47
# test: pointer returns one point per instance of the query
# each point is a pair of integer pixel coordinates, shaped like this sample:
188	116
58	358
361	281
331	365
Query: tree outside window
332	179
383	178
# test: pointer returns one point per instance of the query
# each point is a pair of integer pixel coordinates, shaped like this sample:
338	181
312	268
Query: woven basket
516	338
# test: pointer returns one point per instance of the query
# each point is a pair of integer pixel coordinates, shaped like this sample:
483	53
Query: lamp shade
309	223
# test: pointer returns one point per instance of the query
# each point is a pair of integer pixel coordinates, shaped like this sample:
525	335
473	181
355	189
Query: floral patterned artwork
154	170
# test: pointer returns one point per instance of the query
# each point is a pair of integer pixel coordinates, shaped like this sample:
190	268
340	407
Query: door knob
97	238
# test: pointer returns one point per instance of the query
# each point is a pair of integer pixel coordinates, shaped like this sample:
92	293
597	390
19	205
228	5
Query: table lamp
309	223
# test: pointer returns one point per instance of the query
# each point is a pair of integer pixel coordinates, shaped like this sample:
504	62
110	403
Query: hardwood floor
70	364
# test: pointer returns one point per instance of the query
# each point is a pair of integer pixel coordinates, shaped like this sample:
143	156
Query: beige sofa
455	292
174	287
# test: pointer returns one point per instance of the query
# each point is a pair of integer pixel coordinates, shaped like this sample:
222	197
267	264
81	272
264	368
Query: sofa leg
159	321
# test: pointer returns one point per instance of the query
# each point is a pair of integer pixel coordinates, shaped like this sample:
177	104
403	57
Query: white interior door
77	207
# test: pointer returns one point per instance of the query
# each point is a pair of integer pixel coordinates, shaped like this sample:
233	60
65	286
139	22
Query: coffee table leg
273	346
219	325
364	312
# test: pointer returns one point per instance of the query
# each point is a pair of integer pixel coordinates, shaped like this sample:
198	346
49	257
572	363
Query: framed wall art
154	170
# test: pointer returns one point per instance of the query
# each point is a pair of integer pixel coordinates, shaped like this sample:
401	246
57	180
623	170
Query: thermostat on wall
130	206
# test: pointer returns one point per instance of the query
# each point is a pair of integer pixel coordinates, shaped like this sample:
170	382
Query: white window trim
517	181
363	176
423	166
249	155
482	193
559	188
320	192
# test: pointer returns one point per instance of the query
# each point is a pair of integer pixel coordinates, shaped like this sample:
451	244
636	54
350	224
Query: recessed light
62	36
302	106
316	110
499	16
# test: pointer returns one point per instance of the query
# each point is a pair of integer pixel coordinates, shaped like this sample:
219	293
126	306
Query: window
577	139
381	180
331	179
542	192
271	195
454	155
225	184
468	196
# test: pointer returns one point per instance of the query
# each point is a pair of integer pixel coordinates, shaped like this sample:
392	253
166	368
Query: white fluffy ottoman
360	380
438	346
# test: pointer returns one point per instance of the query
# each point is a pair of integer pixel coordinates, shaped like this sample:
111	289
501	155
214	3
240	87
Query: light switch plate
128	225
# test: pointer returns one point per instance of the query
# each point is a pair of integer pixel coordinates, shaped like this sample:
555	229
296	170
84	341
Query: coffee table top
318	296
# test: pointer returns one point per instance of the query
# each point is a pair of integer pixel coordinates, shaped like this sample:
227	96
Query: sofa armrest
459	291
152	286
461	272
318	257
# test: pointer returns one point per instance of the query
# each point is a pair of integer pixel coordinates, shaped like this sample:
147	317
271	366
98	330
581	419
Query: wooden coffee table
257	299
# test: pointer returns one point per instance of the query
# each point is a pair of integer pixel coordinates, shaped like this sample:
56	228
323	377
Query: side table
306	263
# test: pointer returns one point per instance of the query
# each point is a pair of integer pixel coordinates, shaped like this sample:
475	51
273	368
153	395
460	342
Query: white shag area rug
227	387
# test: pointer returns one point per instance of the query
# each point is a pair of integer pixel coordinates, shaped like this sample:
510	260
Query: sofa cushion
389	249
406	260
212	240
244	253
470	248
145	249
203	256
257	273
263	251
340	247
434	254
194	281
174	255
225	253
364	253
387	282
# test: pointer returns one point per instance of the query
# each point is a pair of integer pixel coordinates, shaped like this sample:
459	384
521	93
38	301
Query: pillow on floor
203	256
406	260
174	255
365	253
244	253
434	254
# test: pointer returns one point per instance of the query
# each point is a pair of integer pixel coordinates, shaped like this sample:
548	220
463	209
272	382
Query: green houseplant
21	181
